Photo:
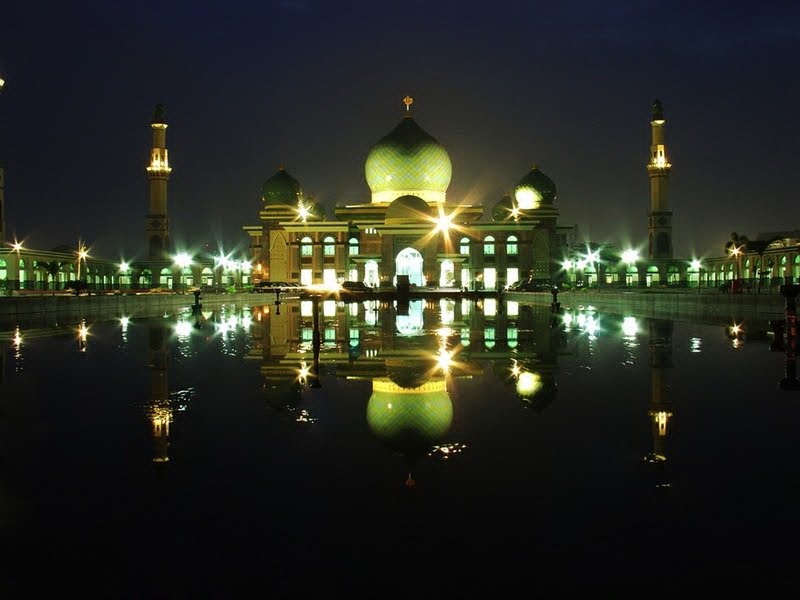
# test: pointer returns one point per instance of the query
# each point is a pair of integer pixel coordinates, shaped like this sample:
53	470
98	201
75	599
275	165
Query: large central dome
408	161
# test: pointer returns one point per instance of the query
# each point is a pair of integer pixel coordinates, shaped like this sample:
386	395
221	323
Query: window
353	246
488	245
511	245
328	248
464	249
305	246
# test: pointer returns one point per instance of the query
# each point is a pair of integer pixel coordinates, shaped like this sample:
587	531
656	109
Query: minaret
157	221
659	220
2	190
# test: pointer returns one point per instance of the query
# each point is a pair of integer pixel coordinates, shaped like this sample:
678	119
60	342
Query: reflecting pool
441	446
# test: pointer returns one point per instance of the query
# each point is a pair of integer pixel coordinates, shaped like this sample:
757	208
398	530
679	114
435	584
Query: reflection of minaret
660	409
157	221
659	220
159	408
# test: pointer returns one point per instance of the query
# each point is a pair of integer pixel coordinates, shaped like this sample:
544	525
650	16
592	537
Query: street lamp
736	252
629	257
82	254
695	267
183	260
123	269
16	247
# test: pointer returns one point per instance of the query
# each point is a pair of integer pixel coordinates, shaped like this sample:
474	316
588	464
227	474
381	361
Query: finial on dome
534	167
408	101
281	167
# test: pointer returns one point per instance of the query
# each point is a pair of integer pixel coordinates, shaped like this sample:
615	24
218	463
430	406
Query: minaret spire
659	226
157	221
408	101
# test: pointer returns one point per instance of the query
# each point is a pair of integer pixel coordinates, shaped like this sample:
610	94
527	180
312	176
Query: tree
51	267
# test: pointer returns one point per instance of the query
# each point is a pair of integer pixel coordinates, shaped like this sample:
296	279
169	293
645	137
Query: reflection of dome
409	375
503	210
281	189
408	160
408	209
534	190
409	420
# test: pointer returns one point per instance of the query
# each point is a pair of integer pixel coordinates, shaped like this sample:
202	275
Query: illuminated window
464	249
488	244
305	246
353	246
511	245
328	248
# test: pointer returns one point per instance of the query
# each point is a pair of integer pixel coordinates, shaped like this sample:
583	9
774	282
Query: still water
445	447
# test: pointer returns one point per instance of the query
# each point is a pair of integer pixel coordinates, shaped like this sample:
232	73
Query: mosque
409	227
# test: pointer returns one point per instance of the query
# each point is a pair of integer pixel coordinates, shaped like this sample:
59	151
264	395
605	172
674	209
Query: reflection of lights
592	326
447	451
444	360
183	329
567	319
17	338
735	329
247	320
629	326
303	372
490	307
124	322
662	418
528	383
444	332
515	369
695	345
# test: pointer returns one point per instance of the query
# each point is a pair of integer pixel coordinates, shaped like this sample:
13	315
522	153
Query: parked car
356	287
527	285
270	286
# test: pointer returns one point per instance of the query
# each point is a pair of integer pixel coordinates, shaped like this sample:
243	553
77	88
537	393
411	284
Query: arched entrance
371	277
409	262
447	277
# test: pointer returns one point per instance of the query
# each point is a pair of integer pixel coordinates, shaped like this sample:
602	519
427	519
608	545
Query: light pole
16	247
82	254
123	269
629	257
695	266
183	260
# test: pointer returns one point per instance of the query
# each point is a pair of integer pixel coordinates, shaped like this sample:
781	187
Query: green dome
503	210
408	159
410	422
534	190
281	190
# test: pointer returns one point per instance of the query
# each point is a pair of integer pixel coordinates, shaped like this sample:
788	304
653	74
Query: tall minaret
157	221
660	408
659	220
2	190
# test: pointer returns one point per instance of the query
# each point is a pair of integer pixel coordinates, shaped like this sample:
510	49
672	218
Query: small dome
535	190
408	159
408	209
281	190
503	210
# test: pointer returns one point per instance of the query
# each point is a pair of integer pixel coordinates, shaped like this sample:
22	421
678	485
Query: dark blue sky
312	85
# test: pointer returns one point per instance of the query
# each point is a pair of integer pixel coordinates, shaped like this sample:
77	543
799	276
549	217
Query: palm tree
51	267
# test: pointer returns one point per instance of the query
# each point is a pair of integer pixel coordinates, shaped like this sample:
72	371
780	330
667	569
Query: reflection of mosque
411	354
660	409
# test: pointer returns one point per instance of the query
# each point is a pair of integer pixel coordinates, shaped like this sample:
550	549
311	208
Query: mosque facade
409	227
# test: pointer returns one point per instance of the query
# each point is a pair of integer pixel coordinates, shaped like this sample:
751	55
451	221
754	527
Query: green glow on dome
534	190
409	419
281	190
408	158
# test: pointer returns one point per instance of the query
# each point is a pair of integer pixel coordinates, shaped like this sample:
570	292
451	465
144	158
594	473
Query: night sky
312	85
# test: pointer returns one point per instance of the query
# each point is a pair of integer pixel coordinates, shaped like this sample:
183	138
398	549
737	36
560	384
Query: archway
447	276
371	277
409	262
